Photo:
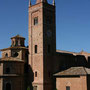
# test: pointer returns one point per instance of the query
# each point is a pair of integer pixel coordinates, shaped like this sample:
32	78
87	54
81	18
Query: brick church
40	66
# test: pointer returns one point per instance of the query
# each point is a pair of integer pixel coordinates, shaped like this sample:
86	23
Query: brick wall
75	83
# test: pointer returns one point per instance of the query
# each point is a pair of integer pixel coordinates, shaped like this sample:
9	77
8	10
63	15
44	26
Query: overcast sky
72	23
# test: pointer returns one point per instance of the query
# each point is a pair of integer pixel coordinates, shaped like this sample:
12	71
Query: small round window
15	54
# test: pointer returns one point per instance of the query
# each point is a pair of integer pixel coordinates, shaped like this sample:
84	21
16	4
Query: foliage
28	88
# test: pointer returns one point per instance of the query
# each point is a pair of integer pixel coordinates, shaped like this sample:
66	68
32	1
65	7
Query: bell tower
42	43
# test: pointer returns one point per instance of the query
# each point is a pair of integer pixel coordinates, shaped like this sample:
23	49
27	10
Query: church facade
40	66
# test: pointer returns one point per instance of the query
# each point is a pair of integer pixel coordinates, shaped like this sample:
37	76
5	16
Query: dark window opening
35	20
35	88
8	86
26	68
26	56
15	54
49	74
7	70
35	74
89	62
49	19
67	87
12	43
16	43
49	49
22	43
6	55
35	48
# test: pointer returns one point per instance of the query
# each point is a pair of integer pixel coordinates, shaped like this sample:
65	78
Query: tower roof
17	41
17	36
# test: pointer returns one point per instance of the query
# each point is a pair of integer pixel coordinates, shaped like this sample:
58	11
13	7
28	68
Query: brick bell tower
42	43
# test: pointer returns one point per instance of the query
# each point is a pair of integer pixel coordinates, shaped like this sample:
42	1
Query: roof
10	75
74	53
66	52
82	53
18	47
18	36
11	59
74	71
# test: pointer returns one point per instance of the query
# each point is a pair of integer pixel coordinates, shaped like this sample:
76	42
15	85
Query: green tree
28	88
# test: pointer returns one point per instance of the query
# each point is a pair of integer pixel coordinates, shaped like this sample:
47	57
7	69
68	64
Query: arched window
12	43
35	20
36	74
8	86
16	43
6	55
35	48
7	70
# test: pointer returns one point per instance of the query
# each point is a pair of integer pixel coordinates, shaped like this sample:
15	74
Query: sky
72	23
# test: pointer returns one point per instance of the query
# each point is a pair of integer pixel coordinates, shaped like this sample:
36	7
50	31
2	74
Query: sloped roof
74	53
74	71
11	59
67	52
17	47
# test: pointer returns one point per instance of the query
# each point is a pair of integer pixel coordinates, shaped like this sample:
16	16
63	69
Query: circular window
15	54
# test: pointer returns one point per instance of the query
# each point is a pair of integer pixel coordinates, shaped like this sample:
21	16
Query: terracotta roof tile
11	59
74	71
18	47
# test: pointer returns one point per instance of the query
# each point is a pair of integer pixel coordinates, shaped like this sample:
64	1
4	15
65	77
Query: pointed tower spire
54	2
38	1
29	3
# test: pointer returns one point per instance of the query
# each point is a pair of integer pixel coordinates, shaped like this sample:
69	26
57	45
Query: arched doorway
8	86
